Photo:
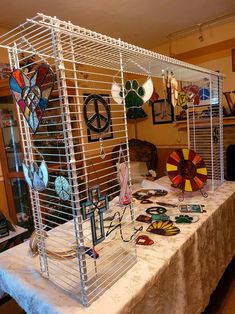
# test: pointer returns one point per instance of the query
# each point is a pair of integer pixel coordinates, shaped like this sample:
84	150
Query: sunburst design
186	170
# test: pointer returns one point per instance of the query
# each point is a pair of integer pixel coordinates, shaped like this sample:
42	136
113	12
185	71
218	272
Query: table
14	238
176	275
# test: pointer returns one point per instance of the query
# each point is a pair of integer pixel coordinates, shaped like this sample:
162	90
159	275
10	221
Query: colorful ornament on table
62	188
146	201
184	219
32	94
165	228
145	194
191	208
36	176
96	204
158	217
186	169
144	240
135	96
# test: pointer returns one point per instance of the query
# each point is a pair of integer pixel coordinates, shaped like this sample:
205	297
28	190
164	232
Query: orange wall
213	53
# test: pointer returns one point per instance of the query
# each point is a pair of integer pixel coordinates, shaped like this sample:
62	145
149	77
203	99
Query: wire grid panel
205	129
62	140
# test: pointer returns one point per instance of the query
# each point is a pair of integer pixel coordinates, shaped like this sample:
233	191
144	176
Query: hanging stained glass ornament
36	176
204	93
123	179
183	100
192	92
97	116
32	94
135	96
155	210
174	90
62	188
154	97
165	228
187	170
94	208
144	218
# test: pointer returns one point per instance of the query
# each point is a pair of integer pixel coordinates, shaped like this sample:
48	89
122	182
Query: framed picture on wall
98	116
162	112
233	60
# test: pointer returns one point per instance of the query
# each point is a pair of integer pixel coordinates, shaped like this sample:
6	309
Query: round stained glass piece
186	170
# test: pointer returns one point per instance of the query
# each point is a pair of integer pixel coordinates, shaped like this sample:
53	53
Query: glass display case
11	158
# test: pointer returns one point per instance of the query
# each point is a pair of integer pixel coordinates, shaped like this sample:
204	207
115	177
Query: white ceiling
145	23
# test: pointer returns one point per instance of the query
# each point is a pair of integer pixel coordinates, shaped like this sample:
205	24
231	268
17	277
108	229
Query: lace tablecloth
175	275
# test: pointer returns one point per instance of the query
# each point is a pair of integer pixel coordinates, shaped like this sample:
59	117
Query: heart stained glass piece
144	240
186	170
32	94
36	176
165	228
192	92
184	218
62	188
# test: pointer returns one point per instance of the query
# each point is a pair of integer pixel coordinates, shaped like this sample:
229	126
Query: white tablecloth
175	275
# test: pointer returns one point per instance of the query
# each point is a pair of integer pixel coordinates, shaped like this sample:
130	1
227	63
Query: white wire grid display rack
86	62
205	130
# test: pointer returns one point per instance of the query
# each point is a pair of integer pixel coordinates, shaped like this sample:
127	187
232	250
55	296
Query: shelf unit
17	195
227	121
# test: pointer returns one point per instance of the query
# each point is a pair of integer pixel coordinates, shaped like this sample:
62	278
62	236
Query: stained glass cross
94	208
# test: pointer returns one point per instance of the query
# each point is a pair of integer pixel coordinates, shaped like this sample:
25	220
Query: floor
222	300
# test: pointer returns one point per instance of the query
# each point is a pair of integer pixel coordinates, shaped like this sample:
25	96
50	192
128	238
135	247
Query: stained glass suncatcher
32	94
96	113
36	176
62	188
94	208
165	228
186	170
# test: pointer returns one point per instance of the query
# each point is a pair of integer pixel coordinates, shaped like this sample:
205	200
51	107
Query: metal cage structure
86	63
205	129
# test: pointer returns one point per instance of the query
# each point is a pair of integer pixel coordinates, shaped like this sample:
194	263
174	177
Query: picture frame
107	134
233	59
162	112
